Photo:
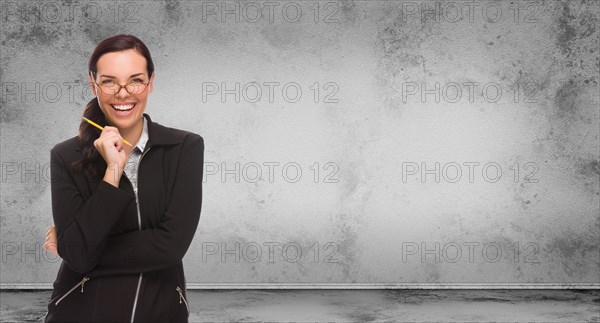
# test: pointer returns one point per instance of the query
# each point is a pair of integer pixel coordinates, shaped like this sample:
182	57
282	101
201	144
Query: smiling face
122	109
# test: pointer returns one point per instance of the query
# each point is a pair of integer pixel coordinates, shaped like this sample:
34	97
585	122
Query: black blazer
109	266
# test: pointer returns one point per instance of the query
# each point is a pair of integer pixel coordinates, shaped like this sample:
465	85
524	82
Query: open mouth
123	107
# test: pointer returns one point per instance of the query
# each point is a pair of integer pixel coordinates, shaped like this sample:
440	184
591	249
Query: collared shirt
131	167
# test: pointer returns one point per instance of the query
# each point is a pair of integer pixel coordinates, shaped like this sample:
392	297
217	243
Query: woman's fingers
51	247
111	148
116	141
109	141
112	132
50	230
51	240
109	134
48	244
51	235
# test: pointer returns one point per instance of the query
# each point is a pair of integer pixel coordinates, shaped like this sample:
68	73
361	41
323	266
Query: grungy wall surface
354	142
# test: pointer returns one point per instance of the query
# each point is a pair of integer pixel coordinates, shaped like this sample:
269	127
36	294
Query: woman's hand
110	146
51	240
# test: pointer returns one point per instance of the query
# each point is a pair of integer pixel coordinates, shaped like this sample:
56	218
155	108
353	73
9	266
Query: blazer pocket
182	299
80	283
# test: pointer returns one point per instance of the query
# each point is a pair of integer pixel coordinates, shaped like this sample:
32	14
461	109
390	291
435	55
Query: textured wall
382	142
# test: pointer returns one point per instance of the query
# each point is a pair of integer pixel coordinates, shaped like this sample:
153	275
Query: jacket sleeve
83	226
165	245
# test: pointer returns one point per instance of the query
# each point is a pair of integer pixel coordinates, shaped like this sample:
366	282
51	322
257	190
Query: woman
122	230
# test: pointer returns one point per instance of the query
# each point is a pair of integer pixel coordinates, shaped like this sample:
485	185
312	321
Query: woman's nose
122	93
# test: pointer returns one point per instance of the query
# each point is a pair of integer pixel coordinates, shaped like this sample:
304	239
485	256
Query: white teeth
123	107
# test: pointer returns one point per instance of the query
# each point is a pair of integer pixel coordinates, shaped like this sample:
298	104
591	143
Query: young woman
124	215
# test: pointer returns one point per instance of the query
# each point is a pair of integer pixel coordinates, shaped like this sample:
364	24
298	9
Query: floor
358	305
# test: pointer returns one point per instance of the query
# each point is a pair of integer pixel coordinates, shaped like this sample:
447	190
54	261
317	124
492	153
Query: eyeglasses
110	87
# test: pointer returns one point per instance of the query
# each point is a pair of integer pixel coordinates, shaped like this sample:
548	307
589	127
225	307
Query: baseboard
191	286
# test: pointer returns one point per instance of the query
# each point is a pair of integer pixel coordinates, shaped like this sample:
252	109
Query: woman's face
122	109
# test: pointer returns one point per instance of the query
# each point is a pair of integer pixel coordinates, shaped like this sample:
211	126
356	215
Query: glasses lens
109	87
135	88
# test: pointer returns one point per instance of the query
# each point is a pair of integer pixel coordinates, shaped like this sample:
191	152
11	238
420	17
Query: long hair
91	161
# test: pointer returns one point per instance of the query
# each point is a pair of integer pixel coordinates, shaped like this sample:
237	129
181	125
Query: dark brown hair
91	162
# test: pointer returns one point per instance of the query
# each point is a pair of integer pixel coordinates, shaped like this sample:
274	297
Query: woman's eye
107	82
138	81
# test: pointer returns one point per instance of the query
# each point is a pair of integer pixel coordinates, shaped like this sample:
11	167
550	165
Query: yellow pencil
99	127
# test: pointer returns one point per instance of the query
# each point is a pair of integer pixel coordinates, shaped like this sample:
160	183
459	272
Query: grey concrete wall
358	142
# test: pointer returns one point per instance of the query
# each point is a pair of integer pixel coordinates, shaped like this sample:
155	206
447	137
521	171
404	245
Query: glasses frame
123	86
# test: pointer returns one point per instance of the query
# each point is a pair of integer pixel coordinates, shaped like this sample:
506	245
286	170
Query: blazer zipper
82	282
137	204
182	298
